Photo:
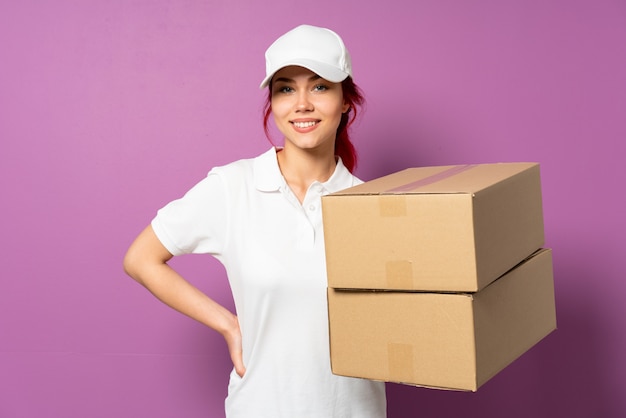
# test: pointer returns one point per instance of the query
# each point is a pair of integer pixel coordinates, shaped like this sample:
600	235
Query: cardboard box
450	228
443	340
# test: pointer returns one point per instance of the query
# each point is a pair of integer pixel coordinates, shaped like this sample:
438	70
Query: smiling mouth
302	125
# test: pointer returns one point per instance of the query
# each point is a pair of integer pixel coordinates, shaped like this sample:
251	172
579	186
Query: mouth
305	124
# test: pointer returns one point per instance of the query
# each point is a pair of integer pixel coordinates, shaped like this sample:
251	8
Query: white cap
318	49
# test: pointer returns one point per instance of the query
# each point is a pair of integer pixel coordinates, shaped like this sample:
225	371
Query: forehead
294	72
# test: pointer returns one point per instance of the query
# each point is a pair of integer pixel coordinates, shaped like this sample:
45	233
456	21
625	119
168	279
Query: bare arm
146	262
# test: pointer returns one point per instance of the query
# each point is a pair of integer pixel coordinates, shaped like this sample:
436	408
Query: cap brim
327	72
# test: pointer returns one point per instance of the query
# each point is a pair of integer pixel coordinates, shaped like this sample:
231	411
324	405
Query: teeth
303	124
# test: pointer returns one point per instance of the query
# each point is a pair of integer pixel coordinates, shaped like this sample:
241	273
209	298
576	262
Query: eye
283	89
320	87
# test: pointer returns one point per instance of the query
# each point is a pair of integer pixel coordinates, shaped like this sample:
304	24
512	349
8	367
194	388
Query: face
307	109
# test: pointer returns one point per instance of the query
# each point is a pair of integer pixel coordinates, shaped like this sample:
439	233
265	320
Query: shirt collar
268	178
341	178
267	175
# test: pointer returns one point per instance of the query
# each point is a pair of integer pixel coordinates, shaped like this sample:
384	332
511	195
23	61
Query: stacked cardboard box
436	275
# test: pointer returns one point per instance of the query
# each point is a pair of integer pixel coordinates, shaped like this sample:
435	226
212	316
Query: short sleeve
197	222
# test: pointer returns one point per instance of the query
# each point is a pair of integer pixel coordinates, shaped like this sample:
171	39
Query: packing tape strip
399	274
400	360
392	206
396	205
452	171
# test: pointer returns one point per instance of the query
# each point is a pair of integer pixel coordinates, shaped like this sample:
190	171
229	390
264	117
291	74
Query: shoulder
244	166
239	168
259	171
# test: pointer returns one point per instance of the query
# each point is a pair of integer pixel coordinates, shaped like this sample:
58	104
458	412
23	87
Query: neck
301	168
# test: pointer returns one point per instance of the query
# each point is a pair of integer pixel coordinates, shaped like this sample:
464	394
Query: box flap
468	178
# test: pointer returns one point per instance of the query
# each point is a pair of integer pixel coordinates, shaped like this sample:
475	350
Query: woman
261	218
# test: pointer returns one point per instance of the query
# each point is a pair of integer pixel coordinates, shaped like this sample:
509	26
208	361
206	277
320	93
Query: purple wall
110	109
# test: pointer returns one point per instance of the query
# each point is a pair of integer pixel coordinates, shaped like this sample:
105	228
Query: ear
345	108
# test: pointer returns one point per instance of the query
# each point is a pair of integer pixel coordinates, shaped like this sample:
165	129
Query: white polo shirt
272	247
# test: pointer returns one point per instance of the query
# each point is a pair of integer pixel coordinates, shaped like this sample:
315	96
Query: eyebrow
288	80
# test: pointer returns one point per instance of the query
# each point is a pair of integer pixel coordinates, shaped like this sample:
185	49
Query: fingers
240	369
234	342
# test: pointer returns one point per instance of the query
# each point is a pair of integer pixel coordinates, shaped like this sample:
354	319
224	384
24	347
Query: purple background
109	109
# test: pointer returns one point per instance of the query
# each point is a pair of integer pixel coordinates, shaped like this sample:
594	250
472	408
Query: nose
303	102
